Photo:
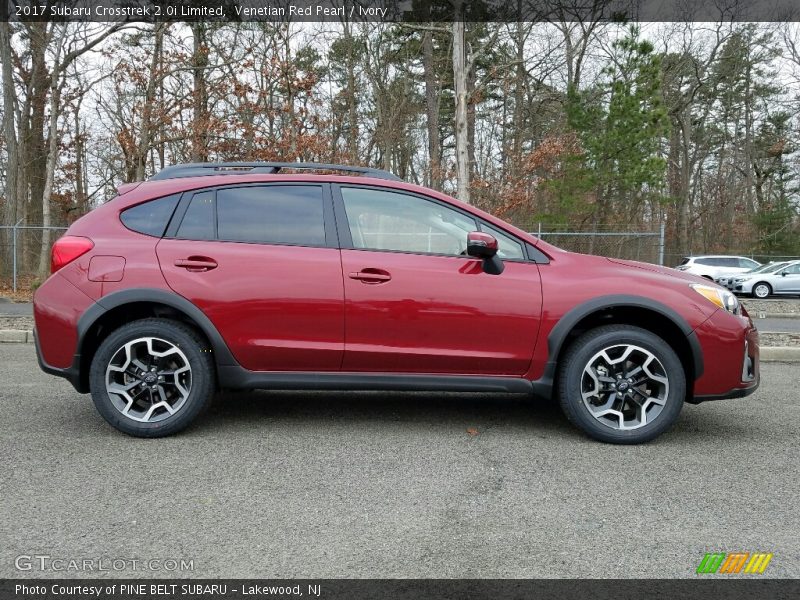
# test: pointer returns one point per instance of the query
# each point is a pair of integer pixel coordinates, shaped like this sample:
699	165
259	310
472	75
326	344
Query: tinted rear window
150	218
274	214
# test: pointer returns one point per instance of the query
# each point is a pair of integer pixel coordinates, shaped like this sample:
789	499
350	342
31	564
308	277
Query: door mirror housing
484	246
481	244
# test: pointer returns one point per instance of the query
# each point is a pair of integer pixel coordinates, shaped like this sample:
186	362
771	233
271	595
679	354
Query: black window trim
329	224
346	240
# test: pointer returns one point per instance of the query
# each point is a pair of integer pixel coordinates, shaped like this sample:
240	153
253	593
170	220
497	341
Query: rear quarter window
151	217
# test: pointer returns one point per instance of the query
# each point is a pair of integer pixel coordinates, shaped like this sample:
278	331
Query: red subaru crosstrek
238	276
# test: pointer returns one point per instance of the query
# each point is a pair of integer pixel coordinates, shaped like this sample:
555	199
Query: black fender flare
561	330
222	354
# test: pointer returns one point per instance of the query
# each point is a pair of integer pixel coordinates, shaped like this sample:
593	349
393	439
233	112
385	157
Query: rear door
261	262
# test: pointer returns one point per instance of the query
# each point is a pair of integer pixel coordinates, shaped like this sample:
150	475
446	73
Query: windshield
761	269
770	268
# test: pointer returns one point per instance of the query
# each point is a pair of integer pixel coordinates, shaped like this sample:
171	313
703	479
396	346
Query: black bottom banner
495	589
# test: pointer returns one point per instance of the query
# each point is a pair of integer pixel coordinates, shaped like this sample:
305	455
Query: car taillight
68	248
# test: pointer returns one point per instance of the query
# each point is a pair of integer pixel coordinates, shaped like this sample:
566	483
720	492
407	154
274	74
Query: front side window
792	270
386	220
507	247
272	214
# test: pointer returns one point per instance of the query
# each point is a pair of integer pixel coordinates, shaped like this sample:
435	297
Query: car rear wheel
762	290
621	384
152	377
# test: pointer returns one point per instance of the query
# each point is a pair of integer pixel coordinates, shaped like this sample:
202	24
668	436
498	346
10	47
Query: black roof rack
249	168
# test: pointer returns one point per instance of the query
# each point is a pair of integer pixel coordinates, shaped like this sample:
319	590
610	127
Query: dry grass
25	288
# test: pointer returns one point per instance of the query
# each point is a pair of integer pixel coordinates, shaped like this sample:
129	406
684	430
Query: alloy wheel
148	379
624	386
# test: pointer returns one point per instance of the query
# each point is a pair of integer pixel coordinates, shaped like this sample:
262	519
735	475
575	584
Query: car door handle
196	264
371	276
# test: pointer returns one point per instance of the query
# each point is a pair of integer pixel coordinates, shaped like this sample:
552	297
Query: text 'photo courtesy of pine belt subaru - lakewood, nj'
243	276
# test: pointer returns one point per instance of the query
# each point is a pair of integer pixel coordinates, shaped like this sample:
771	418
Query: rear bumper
71	373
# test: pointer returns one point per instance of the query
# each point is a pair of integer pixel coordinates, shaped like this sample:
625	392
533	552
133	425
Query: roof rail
250	168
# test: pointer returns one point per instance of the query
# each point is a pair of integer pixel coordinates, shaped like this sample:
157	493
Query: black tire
763	285
199	357
578	356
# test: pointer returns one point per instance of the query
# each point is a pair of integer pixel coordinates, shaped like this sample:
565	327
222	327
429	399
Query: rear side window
713	262
198	222
274	214
150	218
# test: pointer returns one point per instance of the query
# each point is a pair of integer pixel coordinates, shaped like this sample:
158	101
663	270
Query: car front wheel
621	384
762	290
152	377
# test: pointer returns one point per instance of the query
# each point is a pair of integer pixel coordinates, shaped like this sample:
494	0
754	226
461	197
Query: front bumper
733	371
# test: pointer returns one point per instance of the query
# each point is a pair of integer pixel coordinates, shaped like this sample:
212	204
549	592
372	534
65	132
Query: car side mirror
481	244
484	246
783	273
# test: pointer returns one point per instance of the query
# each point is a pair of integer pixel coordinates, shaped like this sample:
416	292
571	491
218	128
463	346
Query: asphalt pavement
778	325
16	309
394	485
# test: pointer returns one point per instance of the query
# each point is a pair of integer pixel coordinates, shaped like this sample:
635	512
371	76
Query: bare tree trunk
80	170
352	113
145	133
519	90
56	86
432	111
461	118
200	93
9	130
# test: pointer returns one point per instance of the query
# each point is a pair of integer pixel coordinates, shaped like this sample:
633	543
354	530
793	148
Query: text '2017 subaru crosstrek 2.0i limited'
243	276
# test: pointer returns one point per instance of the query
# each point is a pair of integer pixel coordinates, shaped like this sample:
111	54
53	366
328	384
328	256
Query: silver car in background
712	265
728	279
783	281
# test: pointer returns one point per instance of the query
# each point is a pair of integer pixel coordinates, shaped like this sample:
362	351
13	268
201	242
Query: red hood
661	270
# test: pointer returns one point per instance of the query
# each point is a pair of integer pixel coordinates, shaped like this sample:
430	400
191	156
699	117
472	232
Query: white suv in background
711	267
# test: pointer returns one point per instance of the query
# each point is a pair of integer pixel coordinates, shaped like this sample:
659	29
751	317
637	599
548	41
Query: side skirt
233	377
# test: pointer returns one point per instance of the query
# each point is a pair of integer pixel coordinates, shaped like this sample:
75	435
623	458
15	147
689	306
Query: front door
415	303
788	282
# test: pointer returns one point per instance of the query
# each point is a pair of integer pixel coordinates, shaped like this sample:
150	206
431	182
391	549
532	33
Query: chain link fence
21	249
645	246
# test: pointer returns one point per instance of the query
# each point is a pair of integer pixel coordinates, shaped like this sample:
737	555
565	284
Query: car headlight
722	298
